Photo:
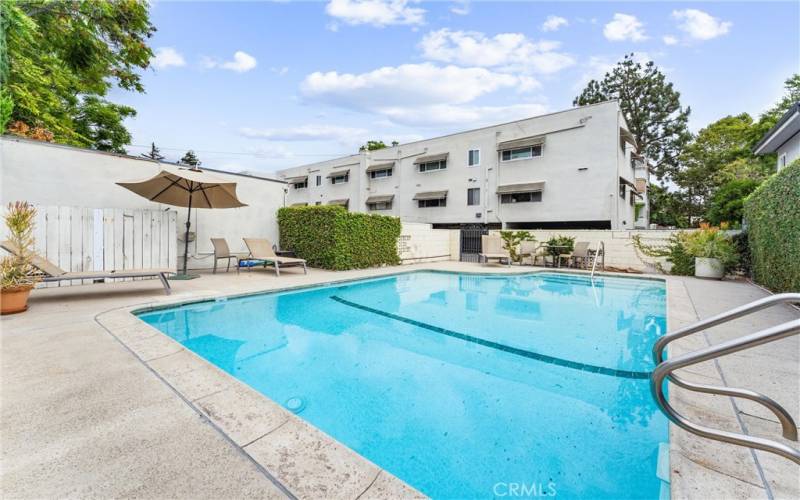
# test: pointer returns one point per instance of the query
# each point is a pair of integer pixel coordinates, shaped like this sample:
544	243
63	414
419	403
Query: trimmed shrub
330	237
772	213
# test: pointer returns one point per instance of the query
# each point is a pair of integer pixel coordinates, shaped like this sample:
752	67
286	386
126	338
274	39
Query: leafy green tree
154	153
705	160
6	109
667	208
62	59
373	145
651	107
727	205
770	117
190	159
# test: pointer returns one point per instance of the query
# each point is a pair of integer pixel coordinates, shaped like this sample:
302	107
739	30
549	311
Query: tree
651	107
727	205
667	208
373	145
154	153
190	159
705	160
62	59
770	117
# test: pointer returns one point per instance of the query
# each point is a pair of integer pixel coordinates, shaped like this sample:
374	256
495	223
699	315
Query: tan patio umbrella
187	187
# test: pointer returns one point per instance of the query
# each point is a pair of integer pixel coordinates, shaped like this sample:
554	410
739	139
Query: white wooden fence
94	239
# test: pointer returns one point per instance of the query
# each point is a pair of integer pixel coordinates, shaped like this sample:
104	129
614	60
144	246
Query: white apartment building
573	169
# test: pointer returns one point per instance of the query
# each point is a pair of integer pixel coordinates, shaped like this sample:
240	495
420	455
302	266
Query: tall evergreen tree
190	158
154	153
651	107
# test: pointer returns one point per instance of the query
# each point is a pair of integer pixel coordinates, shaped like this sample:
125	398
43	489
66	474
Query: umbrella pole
186	238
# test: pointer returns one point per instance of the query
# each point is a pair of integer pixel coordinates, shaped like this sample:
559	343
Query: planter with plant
713	251
512	240
18	274
560	245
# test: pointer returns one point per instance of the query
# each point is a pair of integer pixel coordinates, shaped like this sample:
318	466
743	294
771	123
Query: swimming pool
462	385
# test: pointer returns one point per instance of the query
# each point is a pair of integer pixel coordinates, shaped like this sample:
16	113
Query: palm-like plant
16	270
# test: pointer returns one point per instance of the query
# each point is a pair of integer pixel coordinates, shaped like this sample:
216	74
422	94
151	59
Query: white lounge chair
492	249
261	249
53	273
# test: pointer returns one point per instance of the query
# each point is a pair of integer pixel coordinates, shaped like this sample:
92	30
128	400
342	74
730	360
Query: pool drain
295	404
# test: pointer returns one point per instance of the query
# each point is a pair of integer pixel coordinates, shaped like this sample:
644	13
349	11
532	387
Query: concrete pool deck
92	406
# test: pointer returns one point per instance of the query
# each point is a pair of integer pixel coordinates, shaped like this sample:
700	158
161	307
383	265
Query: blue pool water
462	385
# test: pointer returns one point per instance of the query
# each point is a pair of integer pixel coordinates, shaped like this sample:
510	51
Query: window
340	179
632	202
521	197
381	205
380	174
433	165
441	202
473	196
522	153
474	157
622	190
319	180
301	185
782	162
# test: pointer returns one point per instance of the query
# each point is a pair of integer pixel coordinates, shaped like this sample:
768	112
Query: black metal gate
471	241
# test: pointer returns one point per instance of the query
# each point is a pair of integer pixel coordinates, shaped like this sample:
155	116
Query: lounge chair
53	273
580	254
222	251
532	250
492	249
261	249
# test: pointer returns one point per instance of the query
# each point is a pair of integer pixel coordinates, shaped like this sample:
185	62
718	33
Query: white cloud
456	115
411	92
303	133
510	51
460	7
554	23
700	25
670	40
597	66
377	13
166	57
241	62
624	27
280	71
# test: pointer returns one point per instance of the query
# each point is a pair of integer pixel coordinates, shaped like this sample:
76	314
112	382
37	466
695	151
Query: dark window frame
473	197
434	203
536	151
523	197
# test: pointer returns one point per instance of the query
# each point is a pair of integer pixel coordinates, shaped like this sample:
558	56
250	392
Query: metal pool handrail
664	370
600	249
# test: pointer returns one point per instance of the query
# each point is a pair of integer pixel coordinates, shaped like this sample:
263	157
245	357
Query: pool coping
303	461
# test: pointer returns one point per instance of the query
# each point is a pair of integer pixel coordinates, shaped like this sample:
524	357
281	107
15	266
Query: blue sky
260	86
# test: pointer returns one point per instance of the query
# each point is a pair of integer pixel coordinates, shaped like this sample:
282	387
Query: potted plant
18	274
512	241
713	251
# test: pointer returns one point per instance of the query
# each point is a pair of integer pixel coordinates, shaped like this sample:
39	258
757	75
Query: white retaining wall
55	175
421	243
619	248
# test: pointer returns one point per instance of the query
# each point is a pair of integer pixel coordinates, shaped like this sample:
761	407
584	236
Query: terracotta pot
14	300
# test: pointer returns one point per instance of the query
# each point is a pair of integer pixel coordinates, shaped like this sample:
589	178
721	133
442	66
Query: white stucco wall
49	174
791	149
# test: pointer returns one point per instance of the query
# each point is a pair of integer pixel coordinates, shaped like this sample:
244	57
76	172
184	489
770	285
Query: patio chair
261	249
53	273
533	251
580	254
222	251
492	249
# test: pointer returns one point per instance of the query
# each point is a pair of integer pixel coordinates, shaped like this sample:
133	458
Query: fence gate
471	241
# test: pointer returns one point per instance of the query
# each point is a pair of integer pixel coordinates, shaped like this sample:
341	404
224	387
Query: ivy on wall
330	237
772	213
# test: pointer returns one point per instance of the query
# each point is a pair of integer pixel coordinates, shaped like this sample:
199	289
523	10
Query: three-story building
573	169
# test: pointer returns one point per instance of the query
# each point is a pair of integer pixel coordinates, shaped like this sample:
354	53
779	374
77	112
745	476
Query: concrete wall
581	163
50	174
619	248
422	243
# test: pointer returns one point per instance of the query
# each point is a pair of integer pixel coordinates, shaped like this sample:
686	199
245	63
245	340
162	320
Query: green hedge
772	213
330	237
